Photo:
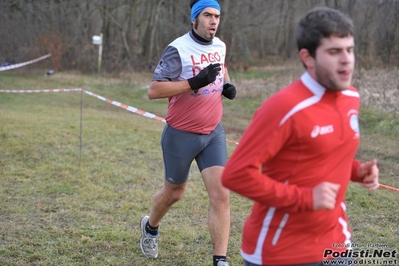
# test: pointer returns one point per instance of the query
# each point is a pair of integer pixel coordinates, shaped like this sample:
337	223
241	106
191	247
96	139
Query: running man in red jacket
296	158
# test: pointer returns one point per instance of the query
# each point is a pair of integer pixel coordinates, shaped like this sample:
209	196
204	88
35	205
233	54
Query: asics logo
321	130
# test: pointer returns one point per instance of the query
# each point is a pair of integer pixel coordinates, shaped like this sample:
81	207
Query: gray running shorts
180	148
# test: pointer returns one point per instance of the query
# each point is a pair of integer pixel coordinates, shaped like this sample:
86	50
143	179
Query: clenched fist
204	77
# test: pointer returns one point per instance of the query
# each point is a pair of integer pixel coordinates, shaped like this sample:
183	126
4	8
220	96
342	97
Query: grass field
77	174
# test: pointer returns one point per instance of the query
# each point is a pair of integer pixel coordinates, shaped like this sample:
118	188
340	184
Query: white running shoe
148	242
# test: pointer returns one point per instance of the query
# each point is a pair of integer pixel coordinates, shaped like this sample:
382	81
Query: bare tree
136	31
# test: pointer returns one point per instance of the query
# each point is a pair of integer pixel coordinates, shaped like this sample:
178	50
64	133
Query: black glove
229	90
206	76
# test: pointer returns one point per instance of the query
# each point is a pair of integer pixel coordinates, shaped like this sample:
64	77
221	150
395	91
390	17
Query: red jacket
301	136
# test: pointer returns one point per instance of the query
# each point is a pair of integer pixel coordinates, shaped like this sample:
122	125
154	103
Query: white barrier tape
130	109
126	107
38	91
115	103
24	63
389	188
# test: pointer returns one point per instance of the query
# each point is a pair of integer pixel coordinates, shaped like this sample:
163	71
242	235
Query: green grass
254	74
67	200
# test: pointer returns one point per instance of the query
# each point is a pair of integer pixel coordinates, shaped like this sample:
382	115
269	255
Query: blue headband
201	5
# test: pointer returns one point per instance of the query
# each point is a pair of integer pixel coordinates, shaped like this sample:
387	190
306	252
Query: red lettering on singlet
206	58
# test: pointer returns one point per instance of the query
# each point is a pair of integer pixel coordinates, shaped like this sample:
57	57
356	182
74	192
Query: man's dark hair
192	2
322	22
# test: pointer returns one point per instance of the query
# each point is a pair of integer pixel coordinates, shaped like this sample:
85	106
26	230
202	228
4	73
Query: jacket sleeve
354	176
262	140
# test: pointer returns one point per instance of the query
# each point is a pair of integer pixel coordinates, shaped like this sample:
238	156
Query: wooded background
135	32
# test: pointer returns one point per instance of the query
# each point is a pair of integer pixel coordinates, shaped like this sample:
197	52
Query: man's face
207	22
334	63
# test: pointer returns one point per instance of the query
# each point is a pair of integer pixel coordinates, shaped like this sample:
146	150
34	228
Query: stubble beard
208	37
327	80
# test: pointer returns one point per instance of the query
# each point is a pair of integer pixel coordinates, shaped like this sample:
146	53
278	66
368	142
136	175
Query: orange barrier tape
38	91
24	63
126	107
118	104
130	109
389	188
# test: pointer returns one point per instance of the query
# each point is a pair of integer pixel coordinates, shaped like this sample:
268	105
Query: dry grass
62	205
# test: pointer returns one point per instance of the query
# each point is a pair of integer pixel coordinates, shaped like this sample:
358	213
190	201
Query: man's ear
306	58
